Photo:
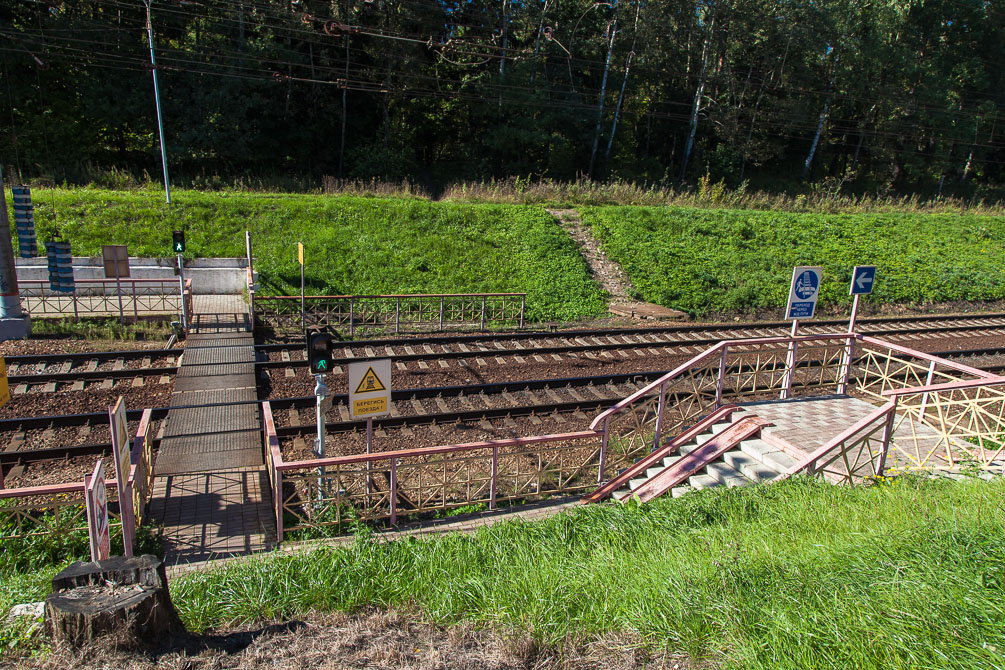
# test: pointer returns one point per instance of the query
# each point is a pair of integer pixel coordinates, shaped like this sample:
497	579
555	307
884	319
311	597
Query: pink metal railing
494	451
138	485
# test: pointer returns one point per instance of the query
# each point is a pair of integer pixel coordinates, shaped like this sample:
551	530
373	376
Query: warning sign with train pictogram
369	388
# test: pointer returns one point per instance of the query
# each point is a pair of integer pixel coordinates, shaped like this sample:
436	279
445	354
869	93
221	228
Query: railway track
56	371
78	369
478	404
540	347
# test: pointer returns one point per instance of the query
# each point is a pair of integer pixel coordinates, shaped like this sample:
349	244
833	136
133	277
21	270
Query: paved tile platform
809	423
211	490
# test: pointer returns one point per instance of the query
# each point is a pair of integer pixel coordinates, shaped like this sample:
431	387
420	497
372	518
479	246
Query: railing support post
603	450
790	362
887	436
441	313
483	313
523	308
352	315
493	485
397	314
845	370
659	417
721	378
924	397
279	504
394	491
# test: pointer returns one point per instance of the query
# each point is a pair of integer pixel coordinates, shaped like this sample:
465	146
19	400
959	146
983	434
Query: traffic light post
319	358
178	244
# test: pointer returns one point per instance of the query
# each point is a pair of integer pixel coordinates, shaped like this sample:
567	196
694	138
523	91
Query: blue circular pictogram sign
806	285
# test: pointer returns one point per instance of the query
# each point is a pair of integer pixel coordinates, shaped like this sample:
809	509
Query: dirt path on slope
607	272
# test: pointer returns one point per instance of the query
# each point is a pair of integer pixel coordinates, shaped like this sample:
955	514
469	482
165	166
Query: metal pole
369	450
494	483
397	314
10	302
157	101
303	301
887	436
722	377
320	393
181	284
394	491
136	307
483	313
118	289
790	362
247	249
603	451
659	417
845	370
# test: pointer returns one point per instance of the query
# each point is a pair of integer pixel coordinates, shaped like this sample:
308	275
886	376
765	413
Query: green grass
706	261
101	328
355	245
796	575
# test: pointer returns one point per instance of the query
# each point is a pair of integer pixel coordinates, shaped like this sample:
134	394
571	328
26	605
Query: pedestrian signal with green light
319	352
178	241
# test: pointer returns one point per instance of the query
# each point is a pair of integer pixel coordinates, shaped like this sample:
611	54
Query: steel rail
132	354
560	349
595	332
86	375
679	327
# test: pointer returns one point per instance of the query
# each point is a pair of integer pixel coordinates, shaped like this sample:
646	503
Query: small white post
790	362
369	464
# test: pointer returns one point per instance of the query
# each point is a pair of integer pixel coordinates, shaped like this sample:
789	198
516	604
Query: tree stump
126	599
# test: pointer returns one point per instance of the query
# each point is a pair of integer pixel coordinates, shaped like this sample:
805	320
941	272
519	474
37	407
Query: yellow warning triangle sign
369	383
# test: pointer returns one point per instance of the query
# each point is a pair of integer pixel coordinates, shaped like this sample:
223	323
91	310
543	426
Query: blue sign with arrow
862	279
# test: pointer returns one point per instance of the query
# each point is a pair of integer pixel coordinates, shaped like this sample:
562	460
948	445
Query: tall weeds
708	194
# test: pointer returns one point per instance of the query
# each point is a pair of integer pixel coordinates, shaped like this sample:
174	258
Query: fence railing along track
351	314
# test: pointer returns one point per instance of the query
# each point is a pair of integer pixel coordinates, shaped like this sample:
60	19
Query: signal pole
157	101
13	323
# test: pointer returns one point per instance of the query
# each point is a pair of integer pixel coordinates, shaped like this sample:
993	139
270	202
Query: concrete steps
753	461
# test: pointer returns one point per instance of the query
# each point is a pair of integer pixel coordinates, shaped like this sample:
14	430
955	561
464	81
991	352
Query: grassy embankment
354	244
799	574
709	261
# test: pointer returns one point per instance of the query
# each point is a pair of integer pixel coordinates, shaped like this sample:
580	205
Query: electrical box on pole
319	352
178	241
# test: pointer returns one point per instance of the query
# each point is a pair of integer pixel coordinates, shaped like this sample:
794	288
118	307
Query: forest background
864	96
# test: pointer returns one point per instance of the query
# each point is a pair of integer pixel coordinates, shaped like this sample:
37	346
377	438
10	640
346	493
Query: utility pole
157	101
13	323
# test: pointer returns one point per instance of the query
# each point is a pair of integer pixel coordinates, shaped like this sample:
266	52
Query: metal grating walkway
208	492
